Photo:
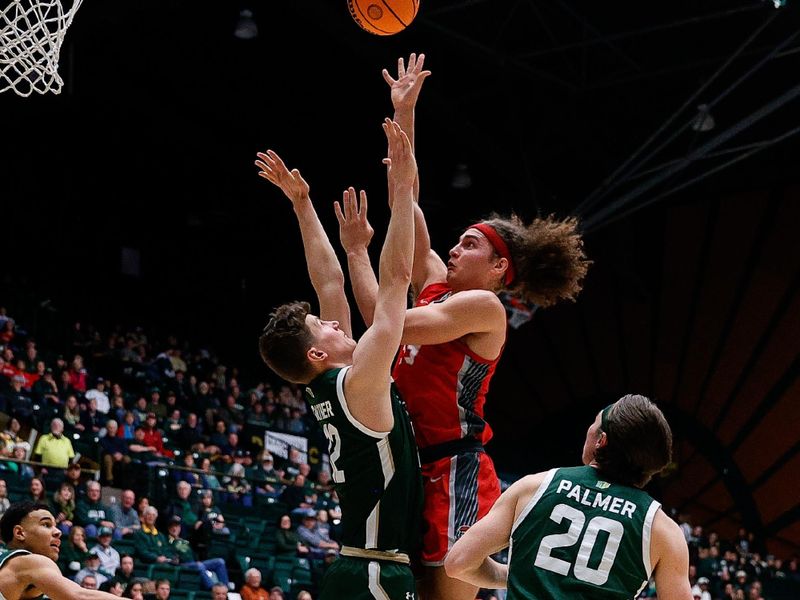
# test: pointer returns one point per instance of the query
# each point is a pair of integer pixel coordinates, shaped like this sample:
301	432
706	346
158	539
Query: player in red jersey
453	339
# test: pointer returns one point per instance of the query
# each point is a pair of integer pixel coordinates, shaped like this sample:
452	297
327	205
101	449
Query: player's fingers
401	69
412	61
337	210
388	78
363	208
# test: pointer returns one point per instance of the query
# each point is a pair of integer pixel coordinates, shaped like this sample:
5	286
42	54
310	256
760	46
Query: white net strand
31	34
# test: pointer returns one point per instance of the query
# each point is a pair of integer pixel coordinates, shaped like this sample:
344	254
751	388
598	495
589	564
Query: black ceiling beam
615	37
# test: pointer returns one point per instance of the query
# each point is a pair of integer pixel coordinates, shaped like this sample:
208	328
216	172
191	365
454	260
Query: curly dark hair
548	257
284	341
639	442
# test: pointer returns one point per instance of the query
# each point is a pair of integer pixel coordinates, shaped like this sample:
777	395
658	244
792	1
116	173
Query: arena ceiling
693	298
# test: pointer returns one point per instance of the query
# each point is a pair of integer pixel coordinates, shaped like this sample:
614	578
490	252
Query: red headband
499	246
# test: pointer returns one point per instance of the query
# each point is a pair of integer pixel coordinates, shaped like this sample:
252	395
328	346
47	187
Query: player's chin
54	552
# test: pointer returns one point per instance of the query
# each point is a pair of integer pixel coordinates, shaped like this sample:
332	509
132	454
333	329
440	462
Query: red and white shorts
459	490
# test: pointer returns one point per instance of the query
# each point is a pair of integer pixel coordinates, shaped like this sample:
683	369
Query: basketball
383	17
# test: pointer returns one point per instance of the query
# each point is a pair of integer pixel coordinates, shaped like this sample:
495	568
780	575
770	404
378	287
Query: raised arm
428	267
367	384
324	269
355	233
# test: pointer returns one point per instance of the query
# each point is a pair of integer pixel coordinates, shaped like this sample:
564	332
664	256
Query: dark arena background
131	201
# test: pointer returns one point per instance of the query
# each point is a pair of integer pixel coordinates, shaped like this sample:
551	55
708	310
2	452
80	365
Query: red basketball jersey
444	385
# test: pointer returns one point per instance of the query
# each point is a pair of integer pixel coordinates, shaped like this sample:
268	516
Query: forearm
397	255
488	574
363	282
323	265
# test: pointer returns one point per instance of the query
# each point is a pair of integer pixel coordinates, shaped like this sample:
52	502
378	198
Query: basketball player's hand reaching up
401	164
274	170
355	232
405	89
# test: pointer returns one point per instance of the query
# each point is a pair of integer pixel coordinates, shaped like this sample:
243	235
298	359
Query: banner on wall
278	444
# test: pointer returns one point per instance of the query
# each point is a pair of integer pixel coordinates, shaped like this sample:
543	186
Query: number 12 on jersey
334	450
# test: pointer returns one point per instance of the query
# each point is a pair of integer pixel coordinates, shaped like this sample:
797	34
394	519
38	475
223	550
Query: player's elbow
455	564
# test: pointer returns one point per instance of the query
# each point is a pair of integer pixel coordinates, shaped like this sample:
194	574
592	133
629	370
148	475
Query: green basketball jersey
376	475
581	537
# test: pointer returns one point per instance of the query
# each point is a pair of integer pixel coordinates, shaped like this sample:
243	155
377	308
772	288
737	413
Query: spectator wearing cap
207	514
155	405
92	568
109	557
99	394
313	537
90	512
24	471
252	590
92	418
181	549
54	448
236	486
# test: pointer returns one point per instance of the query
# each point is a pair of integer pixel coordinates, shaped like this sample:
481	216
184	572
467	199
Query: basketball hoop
31	34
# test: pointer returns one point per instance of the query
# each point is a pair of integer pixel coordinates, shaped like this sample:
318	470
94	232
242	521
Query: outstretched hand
405	89
274	170
355	232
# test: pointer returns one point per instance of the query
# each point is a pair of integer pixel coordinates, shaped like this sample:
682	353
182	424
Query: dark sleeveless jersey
581	537
444	385
376	475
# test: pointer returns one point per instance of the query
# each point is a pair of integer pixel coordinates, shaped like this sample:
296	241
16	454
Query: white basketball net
31	33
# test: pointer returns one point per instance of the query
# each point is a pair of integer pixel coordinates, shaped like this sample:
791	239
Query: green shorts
354	578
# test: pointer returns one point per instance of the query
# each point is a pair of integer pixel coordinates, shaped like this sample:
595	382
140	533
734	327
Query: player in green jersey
374	462
585	532
27	564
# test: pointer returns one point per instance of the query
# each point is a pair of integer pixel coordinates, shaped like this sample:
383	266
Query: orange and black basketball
383	17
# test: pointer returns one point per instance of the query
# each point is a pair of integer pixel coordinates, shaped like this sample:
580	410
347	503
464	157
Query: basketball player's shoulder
667	536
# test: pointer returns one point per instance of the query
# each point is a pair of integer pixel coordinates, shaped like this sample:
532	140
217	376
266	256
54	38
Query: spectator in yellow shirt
54	448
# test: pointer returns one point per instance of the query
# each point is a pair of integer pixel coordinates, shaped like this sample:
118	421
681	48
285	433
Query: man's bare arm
670	556
367	384
44	575
324	269
469	559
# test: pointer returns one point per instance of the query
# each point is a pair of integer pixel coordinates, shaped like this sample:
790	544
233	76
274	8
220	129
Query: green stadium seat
163	571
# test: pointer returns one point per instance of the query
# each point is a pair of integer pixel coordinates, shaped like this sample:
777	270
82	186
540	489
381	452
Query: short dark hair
285	340
14	516
639	442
